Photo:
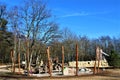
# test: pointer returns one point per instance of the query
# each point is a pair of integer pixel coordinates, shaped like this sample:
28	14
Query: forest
29	29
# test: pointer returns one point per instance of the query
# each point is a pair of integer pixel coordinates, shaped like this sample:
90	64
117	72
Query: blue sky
93	18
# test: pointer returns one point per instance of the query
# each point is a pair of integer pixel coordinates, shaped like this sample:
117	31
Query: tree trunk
27	57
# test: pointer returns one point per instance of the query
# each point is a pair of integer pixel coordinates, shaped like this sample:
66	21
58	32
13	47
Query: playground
54	70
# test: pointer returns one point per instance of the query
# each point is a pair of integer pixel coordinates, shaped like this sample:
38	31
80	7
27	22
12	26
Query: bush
114	59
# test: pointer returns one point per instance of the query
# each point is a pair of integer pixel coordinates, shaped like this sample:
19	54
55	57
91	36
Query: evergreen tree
6	42
114	59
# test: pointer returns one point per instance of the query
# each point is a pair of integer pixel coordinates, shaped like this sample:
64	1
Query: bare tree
13	18
84	44
36	25
69	42
3	16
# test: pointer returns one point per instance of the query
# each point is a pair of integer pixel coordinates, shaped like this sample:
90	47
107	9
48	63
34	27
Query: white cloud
75	14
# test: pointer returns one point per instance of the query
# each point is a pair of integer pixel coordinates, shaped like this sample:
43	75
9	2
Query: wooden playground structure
73	68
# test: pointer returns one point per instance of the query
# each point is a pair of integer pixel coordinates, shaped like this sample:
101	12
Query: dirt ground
96	77
108	74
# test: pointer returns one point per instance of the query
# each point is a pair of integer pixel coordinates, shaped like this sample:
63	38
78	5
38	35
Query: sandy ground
109	74
4	69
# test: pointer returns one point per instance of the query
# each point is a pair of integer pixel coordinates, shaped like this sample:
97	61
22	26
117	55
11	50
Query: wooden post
27	57
96	58
94	72
19	62
49	63
76	60
62	59
14	61
14	52
12	58
19	57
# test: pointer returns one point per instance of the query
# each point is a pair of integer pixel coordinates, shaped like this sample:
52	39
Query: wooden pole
19	62
94	72
12	60
27	57
76	60
49	63
14	53
62	59
19	58
98	60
